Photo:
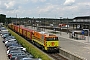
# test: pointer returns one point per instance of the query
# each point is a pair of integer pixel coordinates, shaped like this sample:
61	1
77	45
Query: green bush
30	48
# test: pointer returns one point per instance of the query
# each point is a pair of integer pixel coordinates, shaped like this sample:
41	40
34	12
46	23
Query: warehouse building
82	22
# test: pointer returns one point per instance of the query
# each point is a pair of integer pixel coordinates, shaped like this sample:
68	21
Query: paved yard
3	55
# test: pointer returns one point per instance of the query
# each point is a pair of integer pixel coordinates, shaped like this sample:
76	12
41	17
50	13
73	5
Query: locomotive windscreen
51	38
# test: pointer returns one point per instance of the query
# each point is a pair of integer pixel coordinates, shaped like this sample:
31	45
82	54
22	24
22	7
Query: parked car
5	35
16	47
14	53
11	40
13	50
8	38
13	43
26	58
3	29
30	59
18	57
2	33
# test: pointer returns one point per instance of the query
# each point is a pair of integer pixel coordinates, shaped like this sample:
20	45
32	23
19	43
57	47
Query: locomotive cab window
51	38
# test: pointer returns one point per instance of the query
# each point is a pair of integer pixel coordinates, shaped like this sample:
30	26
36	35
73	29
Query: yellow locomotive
48	42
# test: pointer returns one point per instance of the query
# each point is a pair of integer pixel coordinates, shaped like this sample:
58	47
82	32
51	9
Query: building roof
82	17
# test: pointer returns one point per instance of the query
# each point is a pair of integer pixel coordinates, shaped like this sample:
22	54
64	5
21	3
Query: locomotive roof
46	34
42	32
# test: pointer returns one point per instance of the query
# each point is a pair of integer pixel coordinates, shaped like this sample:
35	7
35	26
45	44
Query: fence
77	36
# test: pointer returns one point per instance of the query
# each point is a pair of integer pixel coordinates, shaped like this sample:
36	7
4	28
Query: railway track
57	56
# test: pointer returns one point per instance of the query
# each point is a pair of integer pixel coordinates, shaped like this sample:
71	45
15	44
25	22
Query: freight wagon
45	41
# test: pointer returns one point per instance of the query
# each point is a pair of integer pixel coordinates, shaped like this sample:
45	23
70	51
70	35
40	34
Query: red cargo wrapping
29	34
21	30
16	28
24	32
13	27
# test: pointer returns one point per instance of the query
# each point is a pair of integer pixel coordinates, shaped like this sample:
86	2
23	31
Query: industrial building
82	22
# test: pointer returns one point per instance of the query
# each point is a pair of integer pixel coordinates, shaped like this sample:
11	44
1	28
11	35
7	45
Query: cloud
42	0
46	8
84	4
9	4
83	8
69	2
0	2
35	1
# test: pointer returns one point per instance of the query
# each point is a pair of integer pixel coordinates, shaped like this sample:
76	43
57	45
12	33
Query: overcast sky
45	8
